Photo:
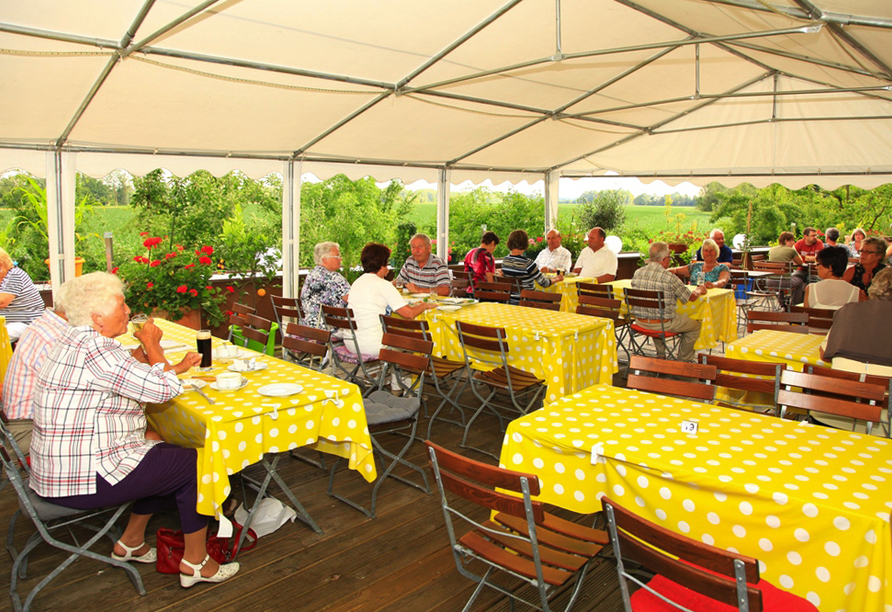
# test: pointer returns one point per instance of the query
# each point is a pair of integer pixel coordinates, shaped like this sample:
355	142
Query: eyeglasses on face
869	252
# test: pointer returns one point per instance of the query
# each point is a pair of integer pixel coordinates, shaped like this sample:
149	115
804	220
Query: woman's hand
558	278
191	360
709	285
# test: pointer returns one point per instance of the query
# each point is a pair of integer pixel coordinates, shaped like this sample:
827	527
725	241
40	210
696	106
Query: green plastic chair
250	336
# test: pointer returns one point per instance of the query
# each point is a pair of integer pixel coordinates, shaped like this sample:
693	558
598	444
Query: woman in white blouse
89	448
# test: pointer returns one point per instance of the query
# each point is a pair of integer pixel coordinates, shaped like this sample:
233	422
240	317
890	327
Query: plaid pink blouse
88	416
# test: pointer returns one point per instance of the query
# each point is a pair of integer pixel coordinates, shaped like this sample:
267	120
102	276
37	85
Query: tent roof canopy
791	91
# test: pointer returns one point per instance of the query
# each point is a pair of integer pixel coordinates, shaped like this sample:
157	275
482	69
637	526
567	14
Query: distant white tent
789	91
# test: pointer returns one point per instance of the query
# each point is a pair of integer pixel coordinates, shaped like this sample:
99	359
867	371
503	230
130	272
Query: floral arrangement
687	238
173	281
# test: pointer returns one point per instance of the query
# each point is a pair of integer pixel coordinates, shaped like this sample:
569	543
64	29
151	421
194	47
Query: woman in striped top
20	301
517	266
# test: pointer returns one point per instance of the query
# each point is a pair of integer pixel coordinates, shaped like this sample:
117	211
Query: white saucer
241	386
193	383
260	365
420	295
279	389
448	307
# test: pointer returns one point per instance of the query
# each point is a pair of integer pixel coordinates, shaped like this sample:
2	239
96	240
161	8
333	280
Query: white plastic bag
270	515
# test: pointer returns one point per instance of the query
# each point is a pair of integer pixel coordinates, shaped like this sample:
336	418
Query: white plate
193	383
448	307
239	354
216	388
279	389
170	344
420	295
260	365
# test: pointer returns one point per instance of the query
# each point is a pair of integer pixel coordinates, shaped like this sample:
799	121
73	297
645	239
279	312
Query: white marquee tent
789	91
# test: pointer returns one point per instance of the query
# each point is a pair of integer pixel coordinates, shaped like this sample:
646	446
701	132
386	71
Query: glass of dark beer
203	343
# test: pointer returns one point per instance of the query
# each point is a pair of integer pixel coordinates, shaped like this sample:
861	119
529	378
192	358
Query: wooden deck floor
398	562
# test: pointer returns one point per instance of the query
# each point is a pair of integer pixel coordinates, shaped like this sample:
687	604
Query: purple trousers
166	475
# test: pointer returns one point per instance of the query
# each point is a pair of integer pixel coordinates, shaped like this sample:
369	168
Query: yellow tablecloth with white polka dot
568	290
811	503
243	425
569	351
795	350
716	311
5	350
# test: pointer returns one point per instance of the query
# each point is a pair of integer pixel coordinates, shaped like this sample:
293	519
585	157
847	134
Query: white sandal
225	572
149	557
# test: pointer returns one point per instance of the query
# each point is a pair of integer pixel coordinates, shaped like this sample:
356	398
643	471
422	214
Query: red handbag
171	546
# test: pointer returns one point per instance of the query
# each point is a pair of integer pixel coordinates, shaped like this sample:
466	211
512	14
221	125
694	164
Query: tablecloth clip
598	453
576	335
274	415
333	396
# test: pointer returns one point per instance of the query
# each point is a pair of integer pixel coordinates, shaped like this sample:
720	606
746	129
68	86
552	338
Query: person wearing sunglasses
873	250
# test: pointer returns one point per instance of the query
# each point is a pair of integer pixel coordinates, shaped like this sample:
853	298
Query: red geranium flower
182	289
229	313
207	250
539	239
180	248
144	233
114	270
209	288
151	242
155	264
149	285
230	289
170	256
189	266
205	261
194	292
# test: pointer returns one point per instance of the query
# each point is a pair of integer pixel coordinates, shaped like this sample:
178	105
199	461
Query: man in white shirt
596	260
555	257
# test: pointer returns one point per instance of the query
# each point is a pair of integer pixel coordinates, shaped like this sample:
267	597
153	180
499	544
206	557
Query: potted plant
174	283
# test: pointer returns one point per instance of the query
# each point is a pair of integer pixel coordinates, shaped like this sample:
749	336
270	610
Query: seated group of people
371	295
76	400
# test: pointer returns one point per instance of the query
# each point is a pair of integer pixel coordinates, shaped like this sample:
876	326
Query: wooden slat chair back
362	370
794	322
600	305
237	318
656	300
520	540
831	396
493	292
768	290
540	299
308	345
458	287
489	345
256	328
740	375
446	375
681	560
594	290
640	366
403	357
286	307
870	379
819	319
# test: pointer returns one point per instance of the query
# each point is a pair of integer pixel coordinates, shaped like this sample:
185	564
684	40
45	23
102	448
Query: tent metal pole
829	17
657	132
167	28
341	123
558	53
291	229
443	214
53	217
551	199
60	36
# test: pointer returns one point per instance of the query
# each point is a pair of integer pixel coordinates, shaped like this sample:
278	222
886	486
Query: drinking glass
137	322
203	344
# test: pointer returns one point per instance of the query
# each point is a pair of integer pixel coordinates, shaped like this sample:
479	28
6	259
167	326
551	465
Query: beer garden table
568	289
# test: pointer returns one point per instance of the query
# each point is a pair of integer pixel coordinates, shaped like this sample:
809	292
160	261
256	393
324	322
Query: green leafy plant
401	251
172	280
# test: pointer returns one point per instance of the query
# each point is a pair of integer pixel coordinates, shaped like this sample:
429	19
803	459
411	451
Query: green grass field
650	219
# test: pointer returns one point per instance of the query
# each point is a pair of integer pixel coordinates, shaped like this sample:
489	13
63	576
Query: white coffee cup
227	350
229	380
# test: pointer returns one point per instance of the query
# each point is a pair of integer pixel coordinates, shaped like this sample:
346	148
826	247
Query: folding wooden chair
389	414
607	308
49	519
739	375
493	292
521	540
541	299
845	398
459	287
287	307
237	319
594	290
819	319
258	334
362	370
770	292
306	345
870	379
740	283
794	322
490	348
684	565
654	301
444	374
639	366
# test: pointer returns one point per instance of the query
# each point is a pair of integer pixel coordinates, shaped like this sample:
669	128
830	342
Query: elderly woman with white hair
89	449
709	272
20	301
324	284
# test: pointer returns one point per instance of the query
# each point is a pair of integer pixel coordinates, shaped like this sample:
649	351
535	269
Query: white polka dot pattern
568	290
747	482
569	351
243	425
